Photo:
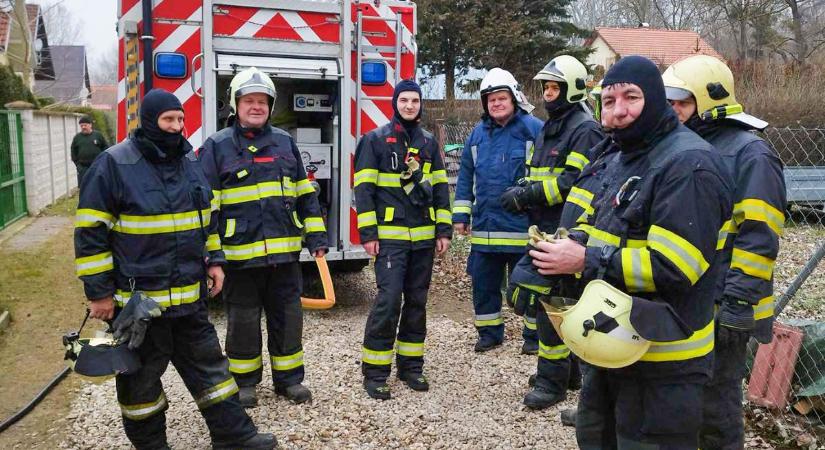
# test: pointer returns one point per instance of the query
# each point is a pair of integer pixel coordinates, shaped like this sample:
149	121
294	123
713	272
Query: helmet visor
254	88
674	93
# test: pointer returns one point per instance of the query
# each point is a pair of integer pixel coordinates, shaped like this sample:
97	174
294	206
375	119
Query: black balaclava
657	116
155	103
560	105
406	86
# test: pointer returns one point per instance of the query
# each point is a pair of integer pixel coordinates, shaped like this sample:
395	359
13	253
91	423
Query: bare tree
61	26
103	68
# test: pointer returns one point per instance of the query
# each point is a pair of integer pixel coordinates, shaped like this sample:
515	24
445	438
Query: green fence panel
12	181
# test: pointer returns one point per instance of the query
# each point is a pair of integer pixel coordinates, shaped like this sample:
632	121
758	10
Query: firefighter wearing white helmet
562	148
262	236
701	91
494	159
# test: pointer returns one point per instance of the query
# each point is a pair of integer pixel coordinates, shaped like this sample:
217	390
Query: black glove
131	324
519	198
734	322
520	298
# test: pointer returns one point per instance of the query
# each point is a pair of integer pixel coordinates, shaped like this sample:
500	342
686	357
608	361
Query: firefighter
403	203
493	160
560	153
652	235
701	90
144	227
266	204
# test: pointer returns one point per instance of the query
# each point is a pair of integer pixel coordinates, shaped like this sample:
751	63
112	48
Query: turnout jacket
560	152
750	240
494	158
653	234
385	211
142	218
264	199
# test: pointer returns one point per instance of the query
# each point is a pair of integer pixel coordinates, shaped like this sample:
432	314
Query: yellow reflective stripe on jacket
162	223
462	207
94	264
376	357
577	160
213	243
400	233
174	296
144	410
488	320
529	322
287	362
87	217
217	393
759	210
581	198
303	187
551	191
687	258
389	179
245	365
553	352
599	238
314	225
499	238
255	192
367	219
412	349
723	234
764	308
637	270
700	343
544	173
216	200
752	264
443	216
439	176
262	248
366	176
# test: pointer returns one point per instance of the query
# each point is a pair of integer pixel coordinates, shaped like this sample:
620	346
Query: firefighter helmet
250	81
569	70
498	79
710	82
596	96
597	328
99	359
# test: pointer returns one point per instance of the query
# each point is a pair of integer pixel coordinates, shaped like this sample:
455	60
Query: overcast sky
98	19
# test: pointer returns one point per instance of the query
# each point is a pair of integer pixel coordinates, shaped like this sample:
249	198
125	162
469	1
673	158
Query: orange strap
329	291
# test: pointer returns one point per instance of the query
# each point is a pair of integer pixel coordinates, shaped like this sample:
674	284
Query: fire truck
334	63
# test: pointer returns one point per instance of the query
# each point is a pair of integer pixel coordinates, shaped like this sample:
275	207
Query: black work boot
530	348
261	441
568	417
377	389
416	381
297	393
486	344
248	396
532	380
540	398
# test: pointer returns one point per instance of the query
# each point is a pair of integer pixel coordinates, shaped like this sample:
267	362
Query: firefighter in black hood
145	228
403	205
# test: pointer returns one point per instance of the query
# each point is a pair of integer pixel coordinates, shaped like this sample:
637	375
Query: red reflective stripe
263	159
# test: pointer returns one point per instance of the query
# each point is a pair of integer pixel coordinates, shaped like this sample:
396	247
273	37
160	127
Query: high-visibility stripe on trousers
488	271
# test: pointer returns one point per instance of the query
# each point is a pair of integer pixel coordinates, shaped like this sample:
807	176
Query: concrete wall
602	54
50	173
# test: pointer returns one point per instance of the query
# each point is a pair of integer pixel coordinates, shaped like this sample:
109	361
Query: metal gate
12	182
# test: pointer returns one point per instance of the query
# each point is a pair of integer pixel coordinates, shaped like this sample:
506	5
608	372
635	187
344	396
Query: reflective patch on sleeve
759	210
687	258
752	264
637	270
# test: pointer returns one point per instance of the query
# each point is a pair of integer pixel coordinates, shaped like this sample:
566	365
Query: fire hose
329	291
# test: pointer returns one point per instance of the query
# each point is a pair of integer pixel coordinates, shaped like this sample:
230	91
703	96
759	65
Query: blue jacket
493	160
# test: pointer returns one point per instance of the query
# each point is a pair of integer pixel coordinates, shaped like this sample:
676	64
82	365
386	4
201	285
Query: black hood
155	103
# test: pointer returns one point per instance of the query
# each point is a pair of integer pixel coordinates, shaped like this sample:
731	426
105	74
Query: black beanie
657	113
406	86
155	103
85	119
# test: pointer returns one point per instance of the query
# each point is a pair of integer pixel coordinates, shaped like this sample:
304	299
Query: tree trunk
449	80
799	36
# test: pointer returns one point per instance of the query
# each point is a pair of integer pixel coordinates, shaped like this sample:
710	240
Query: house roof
661	46
104	95
71	75
5	30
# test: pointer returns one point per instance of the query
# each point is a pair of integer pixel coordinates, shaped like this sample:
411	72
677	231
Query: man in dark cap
145	227
403	205
652	234
86	145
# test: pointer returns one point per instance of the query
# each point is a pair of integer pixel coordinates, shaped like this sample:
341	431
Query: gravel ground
474	401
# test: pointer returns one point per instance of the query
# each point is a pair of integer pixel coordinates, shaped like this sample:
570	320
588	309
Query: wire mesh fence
785	386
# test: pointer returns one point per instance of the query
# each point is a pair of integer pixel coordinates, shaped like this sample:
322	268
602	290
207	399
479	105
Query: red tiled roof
5	21
33	11
662	46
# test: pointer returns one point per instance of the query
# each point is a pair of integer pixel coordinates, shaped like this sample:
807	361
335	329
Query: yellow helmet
597	328
596	96
569	70
710	82
250	81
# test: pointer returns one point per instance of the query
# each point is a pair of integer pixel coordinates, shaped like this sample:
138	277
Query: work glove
412	172
131	324
519	198
520	298
420	192
734	322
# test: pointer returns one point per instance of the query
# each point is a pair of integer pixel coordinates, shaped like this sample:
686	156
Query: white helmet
250	81
498	79
569	70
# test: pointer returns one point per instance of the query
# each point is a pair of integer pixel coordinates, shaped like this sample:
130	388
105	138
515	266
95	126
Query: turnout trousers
628	413
276	291
399	315
488	271
723	427
553	372
191	344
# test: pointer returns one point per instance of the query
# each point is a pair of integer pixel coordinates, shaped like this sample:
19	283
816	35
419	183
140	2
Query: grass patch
64	207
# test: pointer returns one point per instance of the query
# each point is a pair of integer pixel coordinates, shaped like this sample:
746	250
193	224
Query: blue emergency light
170	65
373	73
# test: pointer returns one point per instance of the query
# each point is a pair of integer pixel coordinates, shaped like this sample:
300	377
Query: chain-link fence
785	387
